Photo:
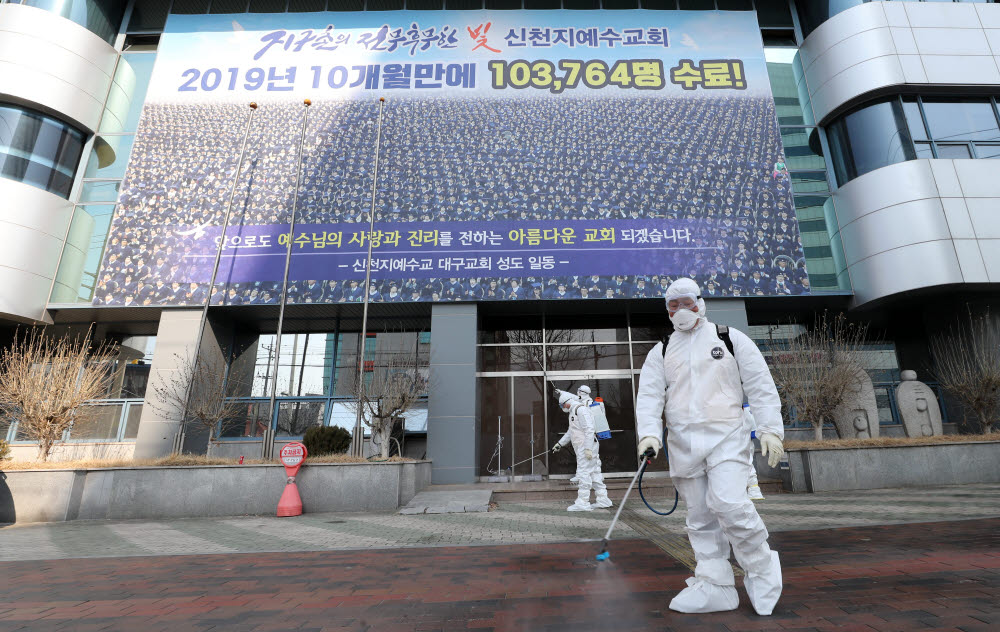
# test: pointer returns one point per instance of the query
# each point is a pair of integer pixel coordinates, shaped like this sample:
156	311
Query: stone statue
857	416
918	407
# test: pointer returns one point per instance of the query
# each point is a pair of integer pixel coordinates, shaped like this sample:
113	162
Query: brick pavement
511	523
922	576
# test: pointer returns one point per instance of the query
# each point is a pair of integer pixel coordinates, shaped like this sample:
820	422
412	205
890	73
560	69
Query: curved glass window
38	150
869	138
101	17
908	127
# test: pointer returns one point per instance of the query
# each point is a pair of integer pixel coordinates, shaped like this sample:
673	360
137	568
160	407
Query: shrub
326	440
4	450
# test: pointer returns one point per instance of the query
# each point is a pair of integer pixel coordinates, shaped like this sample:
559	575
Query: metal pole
215	272
532	443
357	440
288	264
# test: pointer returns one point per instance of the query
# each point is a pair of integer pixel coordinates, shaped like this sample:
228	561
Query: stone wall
837	469
215	490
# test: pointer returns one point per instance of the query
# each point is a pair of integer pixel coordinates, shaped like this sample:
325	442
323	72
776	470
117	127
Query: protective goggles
682	301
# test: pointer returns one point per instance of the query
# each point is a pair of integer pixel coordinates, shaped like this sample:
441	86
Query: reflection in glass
987	151
100	423
923	150
953	151
618	453
529	424
115	151
294	418
798	153
913	118
99	191
587	357
869	138
253	420
809	182
494	407
100	17
960	119
511	358
38	150
132	420
77	279
561	329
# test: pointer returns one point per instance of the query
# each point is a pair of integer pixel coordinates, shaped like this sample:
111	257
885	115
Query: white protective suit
588	468
753	485
583	394
698	382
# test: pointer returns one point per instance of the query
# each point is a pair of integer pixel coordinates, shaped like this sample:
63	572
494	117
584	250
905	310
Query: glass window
38	150
587	357
109	157
923	150
567	4
913	118
230	6
305	6
148	15
188	7
802	150
76	279
735	5
294	418
809	182
563	329
100	191
815	12
101	17
871	137
955	119
774	13
386	5
987	151
510	358
696	5
132	420
141	64
99	423
270	6
953	151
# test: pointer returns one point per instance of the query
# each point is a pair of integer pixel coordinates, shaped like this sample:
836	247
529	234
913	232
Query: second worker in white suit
697	380
588	460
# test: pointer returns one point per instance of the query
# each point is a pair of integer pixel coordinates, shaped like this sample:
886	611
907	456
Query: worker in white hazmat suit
697	379
588	461
583	394
753	485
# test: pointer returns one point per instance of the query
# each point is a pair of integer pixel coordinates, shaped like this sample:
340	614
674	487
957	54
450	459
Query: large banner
521	155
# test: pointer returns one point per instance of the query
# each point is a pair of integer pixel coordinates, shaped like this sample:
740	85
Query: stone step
659	488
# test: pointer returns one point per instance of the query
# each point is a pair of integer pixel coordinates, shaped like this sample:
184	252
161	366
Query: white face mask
684	319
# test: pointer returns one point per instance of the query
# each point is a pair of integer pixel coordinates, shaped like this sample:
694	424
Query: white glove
772	448
556	448
588	453
649	442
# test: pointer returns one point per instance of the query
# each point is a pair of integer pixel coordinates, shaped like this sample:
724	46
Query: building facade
887	113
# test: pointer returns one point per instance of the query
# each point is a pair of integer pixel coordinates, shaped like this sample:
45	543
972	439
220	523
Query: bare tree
201	393
967	361
816	369
389	388
45	383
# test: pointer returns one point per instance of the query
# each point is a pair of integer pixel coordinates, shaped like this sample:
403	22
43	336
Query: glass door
618	453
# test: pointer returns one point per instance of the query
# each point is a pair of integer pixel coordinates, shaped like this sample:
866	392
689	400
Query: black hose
663	444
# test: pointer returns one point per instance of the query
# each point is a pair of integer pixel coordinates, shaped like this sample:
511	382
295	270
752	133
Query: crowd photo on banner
713	163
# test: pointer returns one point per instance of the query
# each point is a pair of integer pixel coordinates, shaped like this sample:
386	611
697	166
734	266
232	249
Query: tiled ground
509	524
928	576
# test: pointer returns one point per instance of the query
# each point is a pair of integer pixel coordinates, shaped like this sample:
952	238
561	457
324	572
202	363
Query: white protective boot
582	501
601	499
763	582
712	589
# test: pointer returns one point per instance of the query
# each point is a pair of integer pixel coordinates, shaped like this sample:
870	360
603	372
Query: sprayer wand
647	458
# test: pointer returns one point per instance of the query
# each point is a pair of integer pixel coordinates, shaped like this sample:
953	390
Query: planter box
837	469
197	491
